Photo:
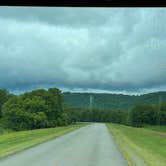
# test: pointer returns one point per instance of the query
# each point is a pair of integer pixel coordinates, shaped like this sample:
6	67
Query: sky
114	50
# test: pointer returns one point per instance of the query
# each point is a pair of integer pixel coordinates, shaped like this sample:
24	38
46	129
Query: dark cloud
109	49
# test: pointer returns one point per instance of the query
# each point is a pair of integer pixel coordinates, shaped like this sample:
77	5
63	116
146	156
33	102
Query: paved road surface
88	146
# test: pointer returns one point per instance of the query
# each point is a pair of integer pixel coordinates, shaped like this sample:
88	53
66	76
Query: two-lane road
88	146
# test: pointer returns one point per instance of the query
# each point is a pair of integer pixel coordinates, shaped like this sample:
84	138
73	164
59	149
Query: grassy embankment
13	142
141	146
157	128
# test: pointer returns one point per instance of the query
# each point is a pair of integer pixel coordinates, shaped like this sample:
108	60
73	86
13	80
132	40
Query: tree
52	99
143	114
162	114
136	117
73	114
24	114
4	96
37	109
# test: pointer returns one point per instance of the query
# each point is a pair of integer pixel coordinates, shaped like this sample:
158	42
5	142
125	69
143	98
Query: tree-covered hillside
42	108
111	101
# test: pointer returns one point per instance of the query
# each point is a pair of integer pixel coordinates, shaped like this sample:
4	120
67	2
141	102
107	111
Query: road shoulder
132	158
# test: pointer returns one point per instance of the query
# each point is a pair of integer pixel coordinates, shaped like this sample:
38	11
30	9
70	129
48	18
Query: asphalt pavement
91	145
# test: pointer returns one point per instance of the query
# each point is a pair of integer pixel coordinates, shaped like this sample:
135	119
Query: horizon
88	92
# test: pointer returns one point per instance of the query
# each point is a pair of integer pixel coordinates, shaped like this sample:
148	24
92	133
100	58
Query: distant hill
111	101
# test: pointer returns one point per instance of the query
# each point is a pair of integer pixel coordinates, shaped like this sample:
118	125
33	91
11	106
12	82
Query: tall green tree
4	96
162	114
36	109
24	114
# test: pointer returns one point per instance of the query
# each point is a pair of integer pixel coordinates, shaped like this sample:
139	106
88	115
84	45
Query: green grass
149	145
157	128
13	142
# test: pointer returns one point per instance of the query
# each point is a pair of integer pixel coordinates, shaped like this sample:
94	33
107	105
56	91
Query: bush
36	109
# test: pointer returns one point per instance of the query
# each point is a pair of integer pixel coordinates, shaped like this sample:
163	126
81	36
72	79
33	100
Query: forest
48	108
107	101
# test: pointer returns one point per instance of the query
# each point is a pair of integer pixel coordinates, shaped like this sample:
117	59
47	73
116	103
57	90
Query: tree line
37	109
46	108
138	116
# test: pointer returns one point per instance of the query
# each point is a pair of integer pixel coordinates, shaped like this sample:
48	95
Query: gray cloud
107	49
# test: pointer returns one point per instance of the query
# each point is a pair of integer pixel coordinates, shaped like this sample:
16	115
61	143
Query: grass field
13	142
157	128
141	146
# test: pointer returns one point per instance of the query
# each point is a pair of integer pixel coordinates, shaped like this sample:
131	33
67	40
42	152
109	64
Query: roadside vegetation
47	110
156	128
34	110
141	146
13	142
138	116
32	118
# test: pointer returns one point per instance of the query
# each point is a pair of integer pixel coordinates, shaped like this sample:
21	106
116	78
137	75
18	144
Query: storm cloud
104	49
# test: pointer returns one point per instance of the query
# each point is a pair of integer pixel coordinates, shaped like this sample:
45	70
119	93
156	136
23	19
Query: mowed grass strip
157	128
148	144
16	141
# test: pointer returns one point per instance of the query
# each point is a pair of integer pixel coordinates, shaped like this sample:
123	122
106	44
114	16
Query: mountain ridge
111	101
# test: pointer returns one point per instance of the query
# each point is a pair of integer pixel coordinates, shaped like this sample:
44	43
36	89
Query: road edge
131	157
